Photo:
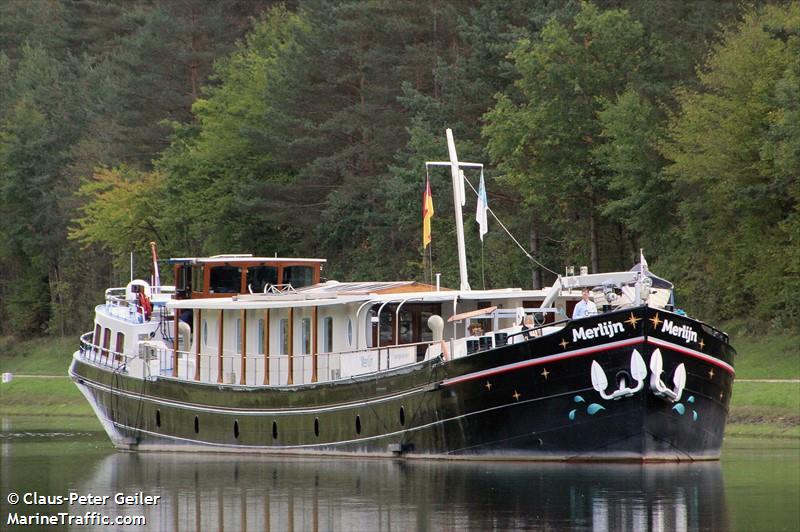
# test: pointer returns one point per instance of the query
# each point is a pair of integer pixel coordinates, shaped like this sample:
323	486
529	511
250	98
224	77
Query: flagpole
430	259
458	185
483	272
427	215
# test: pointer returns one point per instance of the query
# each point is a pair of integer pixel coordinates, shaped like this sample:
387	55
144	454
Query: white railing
227	368
100	355
118	306
274	370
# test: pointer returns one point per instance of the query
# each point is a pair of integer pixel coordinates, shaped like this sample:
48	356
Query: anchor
638	372
658	387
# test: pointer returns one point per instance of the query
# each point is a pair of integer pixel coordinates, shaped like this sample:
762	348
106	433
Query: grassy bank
33	394
766	409
757	409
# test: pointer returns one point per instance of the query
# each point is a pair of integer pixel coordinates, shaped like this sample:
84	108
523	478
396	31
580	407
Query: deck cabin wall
305	340
338	331
132	333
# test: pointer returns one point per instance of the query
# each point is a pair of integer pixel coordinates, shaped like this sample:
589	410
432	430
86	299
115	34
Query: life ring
145	305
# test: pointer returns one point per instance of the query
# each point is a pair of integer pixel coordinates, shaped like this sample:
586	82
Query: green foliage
735	166
232	126
636	190
122	210
219	167
85	85
565	136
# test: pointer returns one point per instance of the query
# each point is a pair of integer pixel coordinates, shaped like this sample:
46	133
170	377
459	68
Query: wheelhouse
228	275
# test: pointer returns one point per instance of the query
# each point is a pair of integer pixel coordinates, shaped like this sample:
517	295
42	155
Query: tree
546	134
164	57
37	130
734	152
225	182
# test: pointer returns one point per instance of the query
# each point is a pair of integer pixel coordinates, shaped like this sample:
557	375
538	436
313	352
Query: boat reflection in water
264	493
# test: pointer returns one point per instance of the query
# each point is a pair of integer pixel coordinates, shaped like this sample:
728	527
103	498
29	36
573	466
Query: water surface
756	486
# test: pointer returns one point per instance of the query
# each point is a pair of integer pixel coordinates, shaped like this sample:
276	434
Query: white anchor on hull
638	372
657	385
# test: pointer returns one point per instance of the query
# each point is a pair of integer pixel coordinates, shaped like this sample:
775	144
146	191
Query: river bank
766	394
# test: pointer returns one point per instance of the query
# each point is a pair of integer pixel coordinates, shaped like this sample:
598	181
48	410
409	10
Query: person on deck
585	306
528	327
475	329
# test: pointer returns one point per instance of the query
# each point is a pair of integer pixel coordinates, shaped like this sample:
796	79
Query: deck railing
118	306
100	355
273	370
329	366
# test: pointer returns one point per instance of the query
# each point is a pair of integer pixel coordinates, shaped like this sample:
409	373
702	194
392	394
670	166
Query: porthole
274	430
236	429
158	418
196	425
316	427
402	416
358	424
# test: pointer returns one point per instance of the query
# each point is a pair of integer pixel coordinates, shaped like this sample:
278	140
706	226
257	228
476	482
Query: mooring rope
530	257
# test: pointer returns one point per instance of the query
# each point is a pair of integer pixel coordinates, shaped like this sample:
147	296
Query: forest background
302	128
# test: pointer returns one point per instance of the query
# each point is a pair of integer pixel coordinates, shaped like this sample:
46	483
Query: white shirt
583	309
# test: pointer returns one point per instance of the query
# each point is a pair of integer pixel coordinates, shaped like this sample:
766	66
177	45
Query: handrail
99	355
539	327
229	361
118	361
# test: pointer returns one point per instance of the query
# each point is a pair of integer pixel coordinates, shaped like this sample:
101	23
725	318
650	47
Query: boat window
284	337
238	335
106	341
183	281
425	333
305	328
406	327
327	335
387	327
298	276
261	336
197	279
225	280
120	344
96	337
260	276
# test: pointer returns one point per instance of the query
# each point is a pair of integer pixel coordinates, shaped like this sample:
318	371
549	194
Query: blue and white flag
483	207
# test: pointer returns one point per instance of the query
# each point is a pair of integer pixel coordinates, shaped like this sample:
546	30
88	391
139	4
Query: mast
458	201
156	278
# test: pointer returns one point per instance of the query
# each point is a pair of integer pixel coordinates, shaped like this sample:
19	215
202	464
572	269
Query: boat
263	354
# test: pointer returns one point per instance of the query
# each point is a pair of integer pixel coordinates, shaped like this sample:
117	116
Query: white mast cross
458	200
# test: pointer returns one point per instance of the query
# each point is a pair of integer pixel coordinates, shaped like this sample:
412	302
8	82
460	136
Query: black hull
525	401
